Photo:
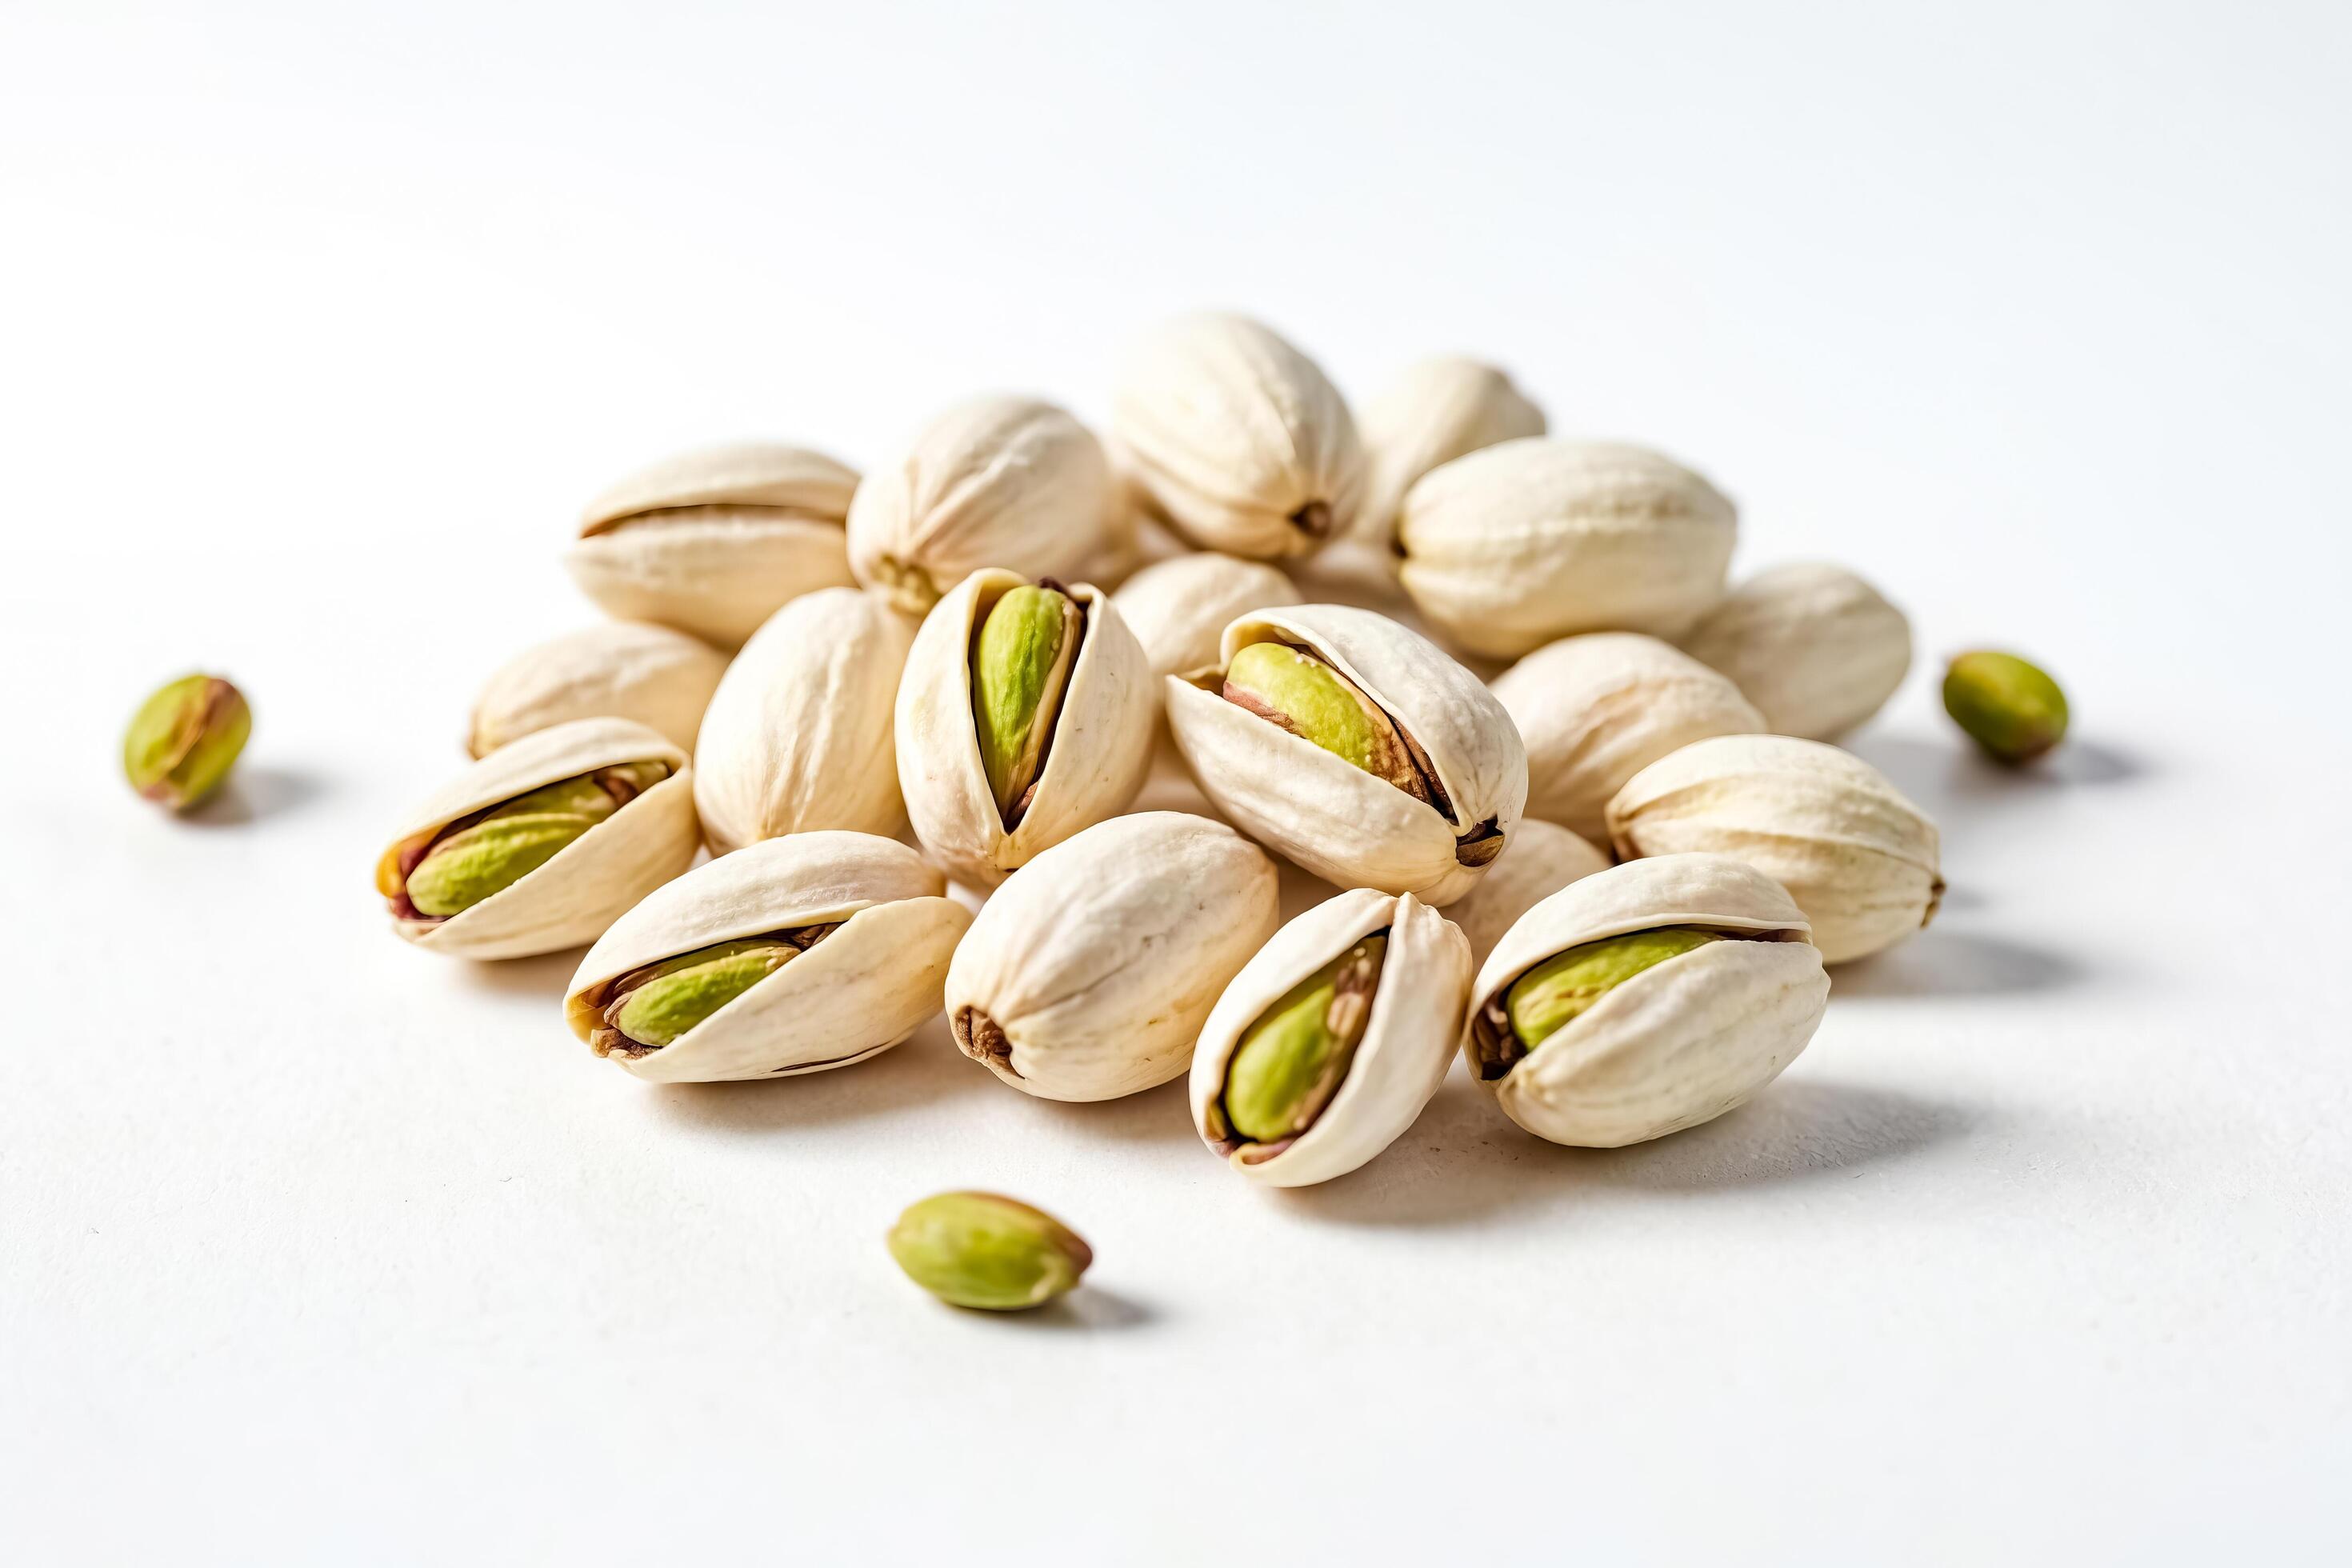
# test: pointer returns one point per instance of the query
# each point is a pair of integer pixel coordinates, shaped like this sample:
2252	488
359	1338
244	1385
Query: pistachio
1558	990
2011	708
1289	1064
1020	666
1815	647
657	1004
985	1251
1179	608
494	850
1437	410
1293	689
185	739
621	669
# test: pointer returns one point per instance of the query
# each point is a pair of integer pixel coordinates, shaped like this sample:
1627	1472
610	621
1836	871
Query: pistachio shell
1088	974
1439	409
1179	608
621	669
861	990
1542	858
1401	1058
591	880
798	737
1595	709
1815	647
1530	541
1676	1045
1859	859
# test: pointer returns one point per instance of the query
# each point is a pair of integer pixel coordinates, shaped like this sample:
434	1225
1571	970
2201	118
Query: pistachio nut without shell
1815	647
792	955
987	1251
1644	999
1327	1044
2010	706
1355	748
712	540
1179	608
1542	858
542	844
648	673
185	739
1595	709
1088	974
1439	409
798	737
1859	859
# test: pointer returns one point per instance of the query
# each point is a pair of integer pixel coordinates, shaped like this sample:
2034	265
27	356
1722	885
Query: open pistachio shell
1400	1059
1099	751
1352	827
1542	858
621	669
1179	608
589	883
862	989
713	541
1676	1044
1815	647
798	737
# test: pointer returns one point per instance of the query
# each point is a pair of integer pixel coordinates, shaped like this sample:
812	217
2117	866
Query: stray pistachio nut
1020	666
2011	708
185	739
984	1251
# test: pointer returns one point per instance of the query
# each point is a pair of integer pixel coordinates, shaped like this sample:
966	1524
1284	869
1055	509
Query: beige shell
1407	1044
798	736
1100	753
622	670
1088	974
853	995
1528	542
1595	709
1860	860
1235	439
1439	409
591	880
1676	1044
1814	647
993	481
1179	608
1543	857
1344	825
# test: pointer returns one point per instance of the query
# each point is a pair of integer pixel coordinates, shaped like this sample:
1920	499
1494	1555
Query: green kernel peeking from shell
2008	707
1565	986
1021	664
490	851
185	739
1291	1061
984	1251
1304	695
660	1003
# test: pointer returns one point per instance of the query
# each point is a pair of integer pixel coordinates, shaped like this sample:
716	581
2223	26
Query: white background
319	323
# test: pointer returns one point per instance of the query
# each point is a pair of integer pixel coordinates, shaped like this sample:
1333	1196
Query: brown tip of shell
1480	844
1313	520
979	1038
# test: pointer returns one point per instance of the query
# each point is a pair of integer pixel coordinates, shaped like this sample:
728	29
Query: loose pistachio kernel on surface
1560	989
1291	688
1020	662
1290	1063
185	739
491	850
2008	706
984	1251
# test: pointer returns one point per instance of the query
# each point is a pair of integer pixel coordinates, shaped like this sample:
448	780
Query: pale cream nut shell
1814	647
648	673
1542	858
1179	608
1439	408
766	474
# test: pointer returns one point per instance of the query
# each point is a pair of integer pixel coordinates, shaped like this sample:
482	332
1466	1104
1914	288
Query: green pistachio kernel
502	846
675	995
185	739
1314	702
1559	989
980	1249
2007	706
1291	1060
1020	668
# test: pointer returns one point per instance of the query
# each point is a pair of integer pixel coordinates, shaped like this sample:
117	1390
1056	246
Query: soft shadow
924	1069
1161	1115
1941	961
1948	776
1087	1310
257	792
546	976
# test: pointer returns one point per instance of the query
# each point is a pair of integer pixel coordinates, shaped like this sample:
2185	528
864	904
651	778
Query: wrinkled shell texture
1100	959
1101	747
1228	432
860	991
623	670
1543	857
1334	819
1859	859
1179	608
592	881
1438	410
1815	647
1595	709
1674	1046
1530	541
1408	1039
799	735
994	481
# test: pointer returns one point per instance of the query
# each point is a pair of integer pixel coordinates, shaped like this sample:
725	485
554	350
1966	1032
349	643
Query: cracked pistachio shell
1345	825
1439	409
589	883
993	481
1408	1039
1235	439
648	674
1676	1045
1100	750
1179	608
1596	709
853	995
1859	859
1088	974
1530	541
1543	857
1815	647
798	737
712	540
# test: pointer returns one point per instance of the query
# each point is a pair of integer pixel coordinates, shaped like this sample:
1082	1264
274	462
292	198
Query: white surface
317	326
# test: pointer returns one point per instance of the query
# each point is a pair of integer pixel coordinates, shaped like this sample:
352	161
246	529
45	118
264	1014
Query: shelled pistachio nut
1439	409
712	540
2008	707
1179	608
185	739
1595	709
1088	974
798	737
1024	714
988	1251
792	955
1644	999
1327	1044
542	844
1235	439
1860	860
636	670
993	481
1530	541
1815	647
1543	857
1355	748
